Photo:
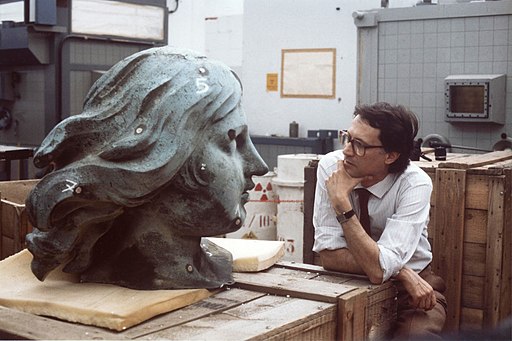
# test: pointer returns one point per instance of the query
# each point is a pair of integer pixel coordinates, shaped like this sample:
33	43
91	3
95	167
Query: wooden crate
364	311
286	302
470	231
232	314
13	218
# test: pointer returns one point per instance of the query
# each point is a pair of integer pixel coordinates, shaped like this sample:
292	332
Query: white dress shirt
399	213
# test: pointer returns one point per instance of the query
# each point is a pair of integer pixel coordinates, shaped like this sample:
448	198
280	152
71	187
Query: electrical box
475	98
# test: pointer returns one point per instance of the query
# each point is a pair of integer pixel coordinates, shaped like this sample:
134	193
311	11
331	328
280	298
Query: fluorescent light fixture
115	18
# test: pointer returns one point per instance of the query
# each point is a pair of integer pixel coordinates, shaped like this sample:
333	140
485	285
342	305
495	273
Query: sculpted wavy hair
140	123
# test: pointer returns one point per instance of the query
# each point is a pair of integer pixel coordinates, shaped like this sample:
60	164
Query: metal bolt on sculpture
159	157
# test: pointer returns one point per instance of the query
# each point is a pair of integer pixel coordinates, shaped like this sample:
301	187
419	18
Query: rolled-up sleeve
328	232
403	232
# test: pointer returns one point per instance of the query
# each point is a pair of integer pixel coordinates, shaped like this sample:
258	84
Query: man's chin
350	168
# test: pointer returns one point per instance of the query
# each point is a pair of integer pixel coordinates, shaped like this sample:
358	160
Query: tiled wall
414	57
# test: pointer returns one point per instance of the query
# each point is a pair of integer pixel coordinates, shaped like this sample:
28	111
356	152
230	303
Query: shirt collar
381	187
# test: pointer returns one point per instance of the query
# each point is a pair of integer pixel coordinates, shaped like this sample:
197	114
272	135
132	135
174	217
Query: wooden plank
381	312
294	287
61	295
471	319
309	199
7	247
474	260
477	192
266	318
1	232
449	236
476	160
318	270
506	287
215	304
473	289
16	324
16	191
348	316
495	221
475	226
13	218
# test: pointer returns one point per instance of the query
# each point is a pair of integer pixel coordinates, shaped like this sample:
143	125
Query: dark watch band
342	218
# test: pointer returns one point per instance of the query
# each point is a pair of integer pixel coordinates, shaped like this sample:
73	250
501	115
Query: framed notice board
308	73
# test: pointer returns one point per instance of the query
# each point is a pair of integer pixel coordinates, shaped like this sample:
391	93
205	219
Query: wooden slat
266	318
294	287
20	325
1	232
215	304
474	259
16	191
7	247
476	160
349	316
309	199
495	221
471	319
449	236
475	226
477	192
473	288
506	287
381	313
318	270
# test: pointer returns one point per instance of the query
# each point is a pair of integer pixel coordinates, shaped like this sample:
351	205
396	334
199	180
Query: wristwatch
342	218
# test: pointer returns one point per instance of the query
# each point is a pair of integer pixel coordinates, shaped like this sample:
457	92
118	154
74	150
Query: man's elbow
376	278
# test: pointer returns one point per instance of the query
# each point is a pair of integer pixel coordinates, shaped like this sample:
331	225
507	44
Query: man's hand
422	294
339	185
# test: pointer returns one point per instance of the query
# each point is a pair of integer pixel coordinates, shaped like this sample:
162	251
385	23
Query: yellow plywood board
103	305
251	255
111	306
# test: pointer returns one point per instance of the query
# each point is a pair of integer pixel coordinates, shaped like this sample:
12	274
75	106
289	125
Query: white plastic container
260	221
289	186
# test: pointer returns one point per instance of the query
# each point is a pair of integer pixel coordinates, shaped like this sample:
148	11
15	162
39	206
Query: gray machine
52	51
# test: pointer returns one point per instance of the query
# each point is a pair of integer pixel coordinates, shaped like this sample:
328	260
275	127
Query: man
375	157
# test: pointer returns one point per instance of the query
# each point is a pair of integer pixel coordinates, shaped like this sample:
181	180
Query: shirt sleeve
401	236
328	232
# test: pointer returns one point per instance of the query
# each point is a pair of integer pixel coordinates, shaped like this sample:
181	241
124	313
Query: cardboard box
470	231
13	218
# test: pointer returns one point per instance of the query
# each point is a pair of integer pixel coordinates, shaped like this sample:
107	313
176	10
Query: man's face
374	161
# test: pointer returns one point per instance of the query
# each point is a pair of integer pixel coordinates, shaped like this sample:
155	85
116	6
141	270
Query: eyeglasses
358	147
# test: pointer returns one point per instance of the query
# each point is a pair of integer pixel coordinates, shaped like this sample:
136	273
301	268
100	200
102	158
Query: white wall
187	25
269	27
249	36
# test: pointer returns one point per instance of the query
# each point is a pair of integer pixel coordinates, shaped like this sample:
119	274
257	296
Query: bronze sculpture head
159	158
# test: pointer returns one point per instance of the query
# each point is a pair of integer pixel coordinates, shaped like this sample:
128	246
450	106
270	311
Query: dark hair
398	127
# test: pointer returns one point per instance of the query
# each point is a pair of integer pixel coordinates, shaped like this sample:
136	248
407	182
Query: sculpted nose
255	165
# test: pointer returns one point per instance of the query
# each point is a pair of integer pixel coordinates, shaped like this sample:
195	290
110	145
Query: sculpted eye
231	134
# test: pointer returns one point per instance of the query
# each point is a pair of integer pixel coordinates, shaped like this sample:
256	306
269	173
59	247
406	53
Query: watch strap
342	218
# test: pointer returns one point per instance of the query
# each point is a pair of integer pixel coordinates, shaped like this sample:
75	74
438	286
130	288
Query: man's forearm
364	250
340	260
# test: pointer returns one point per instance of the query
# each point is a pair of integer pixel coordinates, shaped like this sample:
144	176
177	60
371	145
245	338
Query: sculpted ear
392	157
